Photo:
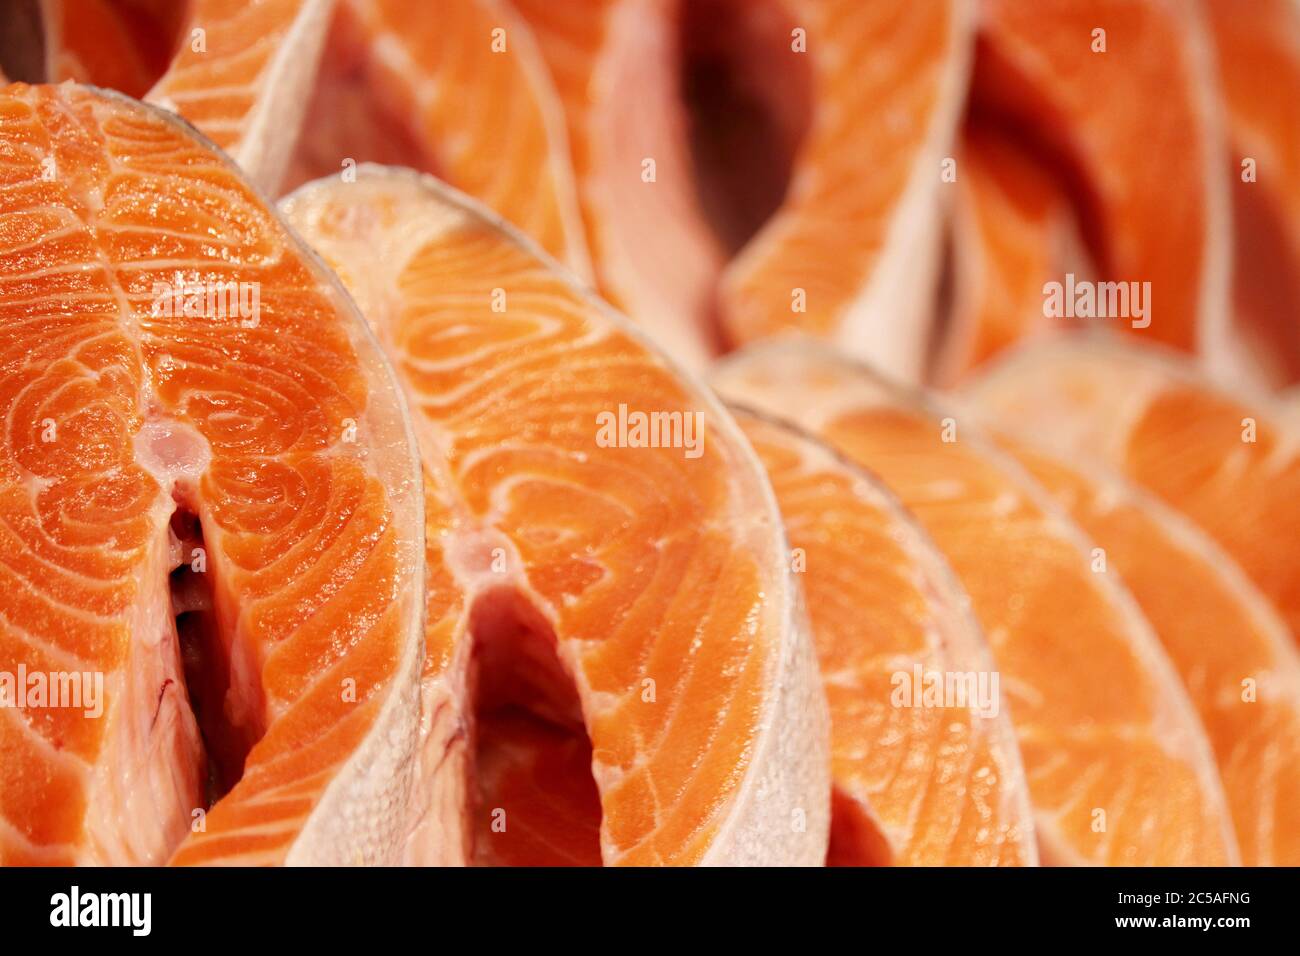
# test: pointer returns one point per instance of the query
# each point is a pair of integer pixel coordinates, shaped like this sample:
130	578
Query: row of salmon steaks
650	432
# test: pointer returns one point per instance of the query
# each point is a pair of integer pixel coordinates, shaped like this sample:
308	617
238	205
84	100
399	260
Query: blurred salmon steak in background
650	432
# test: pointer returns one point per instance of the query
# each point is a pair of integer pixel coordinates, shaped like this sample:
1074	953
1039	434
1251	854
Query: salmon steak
1227	641
1013	231
1259	69
590	570
913	785
212	513
1229	460
615	66
1067	73
1086	679
584	433
241	72
392	88
847	257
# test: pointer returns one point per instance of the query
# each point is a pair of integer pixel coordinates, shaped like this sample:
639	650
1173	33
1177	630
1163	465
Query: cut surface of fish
212	512
616	67
1229	461
1257	47
124	45
604	552
457	88
851	255
1122	94
925	766
1229	644
1012	233
241	72
1119	768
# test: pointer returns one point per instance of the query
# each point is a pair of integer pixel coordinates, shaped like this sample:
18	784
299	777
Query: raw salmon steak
1258	52
1228	460
615	65
457	88
605	559
189	395
852	253
913	785
1122	95
125	45
1013	231
1229	644
241	72
1119	768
